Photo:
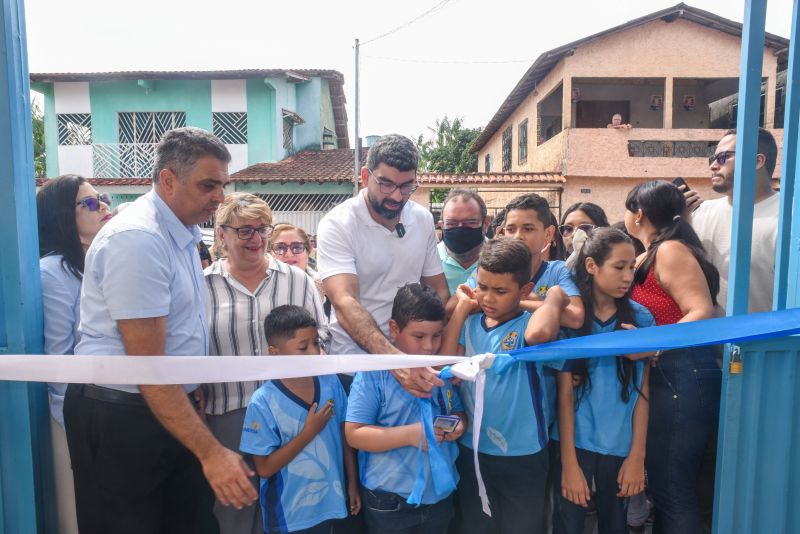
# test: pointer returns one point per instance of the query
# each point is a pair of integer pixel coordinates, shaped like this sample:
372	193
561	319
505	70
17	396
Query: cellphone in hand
679	181
446	423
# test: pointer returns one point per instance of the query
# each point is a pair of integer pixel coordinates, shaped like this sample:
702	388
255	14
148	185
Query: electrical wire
434	9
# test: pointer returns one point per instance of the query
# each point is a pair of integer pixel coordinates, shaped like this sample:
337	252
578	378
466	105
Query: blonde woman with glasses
244	286
291	245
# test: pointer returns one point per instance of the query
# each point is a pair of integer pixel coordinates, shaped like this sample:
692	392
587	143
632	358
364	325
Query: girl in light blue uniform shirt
70	213
602	402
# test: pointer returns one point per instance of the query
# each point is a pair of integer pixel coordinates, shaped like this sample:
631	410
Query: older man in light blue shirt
135	450
465	221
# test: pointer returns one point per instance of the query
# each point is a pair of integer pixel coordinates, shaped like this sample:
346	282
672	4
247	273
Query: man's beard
723	187
464	257
383	211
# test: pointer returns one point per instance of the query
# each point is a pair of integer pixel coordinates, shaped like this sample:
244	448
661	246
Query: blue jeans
684	414
603	469
389	512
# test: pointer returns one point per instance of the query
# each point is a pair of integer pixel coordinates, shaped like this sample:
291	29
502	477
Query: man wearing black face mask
465	223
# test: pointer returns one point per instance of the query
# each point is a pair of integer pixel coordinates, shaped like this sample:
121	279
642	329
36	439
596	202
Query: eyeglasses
93	203
282	248
246	232
387	188
567	230
467	223
721	157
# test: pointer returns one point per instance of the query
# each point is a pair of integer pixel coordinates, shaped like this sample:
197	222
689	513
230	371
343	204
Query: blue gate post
757	486
25	465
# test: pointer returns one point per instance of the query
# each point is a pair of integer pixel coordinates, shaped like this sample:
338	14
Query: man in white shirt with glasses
369	247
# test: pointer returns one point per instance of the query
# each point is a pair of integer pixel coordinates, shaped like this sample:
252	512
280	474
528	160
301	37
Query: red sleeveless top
652	296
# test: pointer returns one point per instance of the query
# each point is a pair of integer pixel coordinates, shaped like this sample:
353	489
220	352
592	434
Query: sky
421	60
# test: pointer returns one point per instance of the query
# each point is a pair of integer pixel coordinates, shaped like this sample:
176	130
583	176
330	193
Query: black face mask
462	239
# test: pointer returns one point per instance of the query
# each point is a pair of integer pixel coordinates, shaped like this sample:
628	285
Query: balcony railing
123	160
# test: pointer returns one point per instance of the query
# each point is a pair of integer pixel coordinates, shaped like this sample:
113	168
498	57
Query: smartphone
679	181
447	423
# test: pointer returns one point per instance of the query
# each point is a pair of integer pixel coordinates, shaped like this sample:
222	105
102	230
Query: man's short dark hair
179	150
766	146
506	255
283	321
532	202
466	194
395	151
416	302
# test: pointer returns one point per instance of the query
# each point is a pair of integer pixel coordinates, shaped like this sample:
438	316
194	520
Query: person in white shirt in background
713	220
371	245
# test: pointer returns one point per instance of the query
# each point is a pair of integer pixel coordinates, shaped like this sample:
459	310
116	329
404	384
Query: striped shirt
236	321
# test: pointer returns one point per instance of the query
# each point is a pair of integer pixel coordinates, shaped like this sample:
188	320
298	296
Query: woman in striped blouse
243	287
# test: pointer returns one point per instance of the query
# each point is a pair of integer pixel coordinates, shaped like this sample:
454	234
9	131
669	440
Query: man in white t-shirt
713	220
373	244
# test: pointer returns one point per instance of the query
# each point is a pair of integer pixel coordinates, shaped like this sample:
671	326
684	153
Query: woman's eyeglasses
93	203
281	248
567	230
246	232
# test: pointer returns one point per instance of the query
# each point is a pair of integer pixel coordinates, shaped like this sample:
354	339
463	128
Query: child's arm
573	483
544	325
573	314
266	466
373	438
465	305
351	472
631	475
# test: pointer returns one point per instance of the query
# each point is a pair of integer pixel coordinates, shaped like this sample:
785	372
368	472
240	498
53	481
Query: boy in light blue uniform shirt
513	441
384	423
297	448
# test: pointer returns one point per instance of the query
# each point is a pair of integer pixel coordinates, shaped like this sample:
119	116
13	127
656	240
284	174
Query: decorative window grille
148	127
288	136
231	127
487	163
523	141
74	128
328	139
507	137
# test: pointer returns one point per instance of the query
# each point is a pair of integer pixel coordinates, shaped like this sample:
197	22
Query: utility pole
357	140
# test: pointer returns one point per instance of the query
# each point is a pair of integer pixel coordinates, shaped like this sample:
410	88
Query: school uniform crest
510	341
542	291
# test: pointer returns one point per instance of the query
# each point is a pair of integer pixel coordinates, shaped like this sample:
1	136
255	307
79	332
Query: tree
449	149
37	119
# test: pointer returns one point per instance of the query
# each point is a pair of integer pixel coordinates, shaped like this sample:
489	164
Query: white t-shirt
351	242
713	223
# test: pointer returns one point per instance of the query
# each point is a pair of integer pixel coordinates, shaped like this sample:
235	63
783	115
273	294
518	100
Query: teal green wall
326	110
109	98
262	138
294	188
308	136
50	127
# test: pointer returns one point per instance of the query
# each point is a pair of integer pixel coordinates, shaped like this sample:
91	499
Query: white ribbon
474	370
159	370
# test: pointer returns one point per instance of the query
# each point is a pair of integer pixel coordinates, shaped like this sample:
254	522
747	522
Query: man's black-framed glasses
246	232
567	230
93	203
387	187
466	223
721	157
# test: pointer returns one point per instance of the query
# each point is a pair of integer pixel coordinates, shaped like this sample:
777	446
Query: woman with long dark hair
70	212
584	216
678	284
603	402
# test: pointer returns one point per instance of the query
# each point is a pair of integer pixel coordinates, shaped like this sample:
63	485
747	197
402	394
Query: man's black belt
91	391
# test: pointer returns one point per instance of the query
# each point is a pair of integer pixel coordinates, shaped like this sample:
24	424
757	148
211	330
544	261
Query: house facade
672	75
105	126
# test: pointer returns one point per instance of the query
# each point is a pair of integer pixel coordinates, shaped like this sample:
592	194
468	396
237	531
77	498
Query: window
74	128
507	137
148	126
523	141
328	139
230	127
487	165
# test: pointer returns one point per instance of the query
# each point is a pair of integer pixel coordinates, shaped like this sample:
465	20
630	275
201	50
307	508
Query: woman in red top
676	282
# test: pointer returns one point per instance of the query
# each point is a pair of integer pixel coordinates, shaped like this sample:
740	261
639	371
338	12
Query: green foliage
448	149
37	118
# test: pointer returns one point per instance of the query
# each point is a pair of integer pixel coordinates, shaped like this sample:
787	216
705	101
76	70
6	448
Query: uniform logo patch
510	341
252	429
542	291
